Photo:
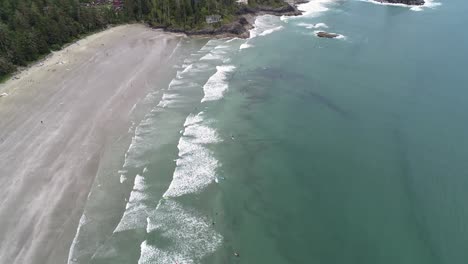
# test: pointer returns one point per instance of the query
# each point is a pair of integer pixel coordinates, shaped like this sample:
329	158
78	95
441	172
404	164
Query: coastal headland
243	21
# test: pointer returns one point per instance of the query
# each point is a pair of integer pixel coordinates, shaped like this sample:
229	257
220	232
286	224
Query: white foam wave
175	82
135	147
73	250
311	26
134	216
222	46
265	25
187	69
217	83
152	255
196	167
212	56
427	4
245	46
231	40
193	119
432	4
314	7
123	178
341	37
211	44
168	99
197	134
193	68
321	25
190	234
271	30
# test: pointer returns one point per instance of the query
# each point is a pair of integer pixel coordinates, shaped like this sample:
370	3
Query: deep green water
299	149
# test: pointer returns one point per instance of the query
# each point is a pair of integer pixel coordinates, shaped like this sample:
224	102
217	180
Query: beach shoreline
59	118
58	131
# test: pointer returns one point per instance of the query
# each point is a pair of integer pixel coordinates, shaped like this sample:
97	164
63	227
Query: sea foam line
271	30
73	252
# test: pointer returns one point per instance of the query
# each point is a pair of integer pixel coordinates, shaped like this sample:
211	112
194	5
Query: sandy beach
57	118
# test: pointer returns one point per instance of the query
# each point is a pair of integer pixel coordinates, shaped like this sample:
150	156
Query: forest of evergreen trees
30	29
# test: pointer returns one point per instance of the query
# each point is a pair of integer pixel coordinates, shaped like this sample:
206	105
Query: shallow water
287	148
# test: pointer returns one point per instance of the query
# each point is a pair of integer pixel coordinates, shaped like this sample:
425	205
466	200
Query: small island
406	2
323	34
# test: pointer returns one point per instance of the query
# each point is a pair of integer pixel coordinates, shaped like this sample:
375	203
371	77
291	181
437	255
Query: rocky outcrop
406	2
241	26
323	34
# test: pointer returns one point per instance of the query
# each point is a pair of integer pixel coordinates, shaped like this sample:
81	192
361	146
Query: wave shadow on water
416	211
328	103
260	79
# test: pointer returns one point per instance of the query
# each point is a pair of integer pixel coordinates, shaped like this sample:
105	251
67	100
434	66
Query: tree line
30	29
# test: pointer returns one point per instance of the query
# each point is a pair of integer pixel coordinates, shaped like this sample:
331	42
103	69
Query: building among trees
213	19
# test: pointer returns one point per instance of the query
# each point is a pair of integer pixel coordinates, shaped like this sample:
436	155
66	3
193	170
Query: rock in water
406	2
323	34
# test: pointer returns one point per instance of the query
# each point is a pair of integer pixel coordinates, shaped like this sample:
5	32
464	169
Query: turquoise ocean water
287	148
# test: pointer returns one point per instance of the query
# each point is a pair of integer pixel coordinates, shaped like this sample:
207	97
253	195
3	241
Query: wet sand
56	122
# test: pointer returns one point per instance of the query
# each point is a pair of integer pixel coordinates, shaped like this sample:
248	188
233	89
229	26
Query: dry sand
56	122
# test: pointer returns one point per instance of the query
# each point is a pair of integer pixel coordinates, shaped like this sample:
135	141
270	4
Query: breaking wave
190	235
217	84
196	166
265	25
313	26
